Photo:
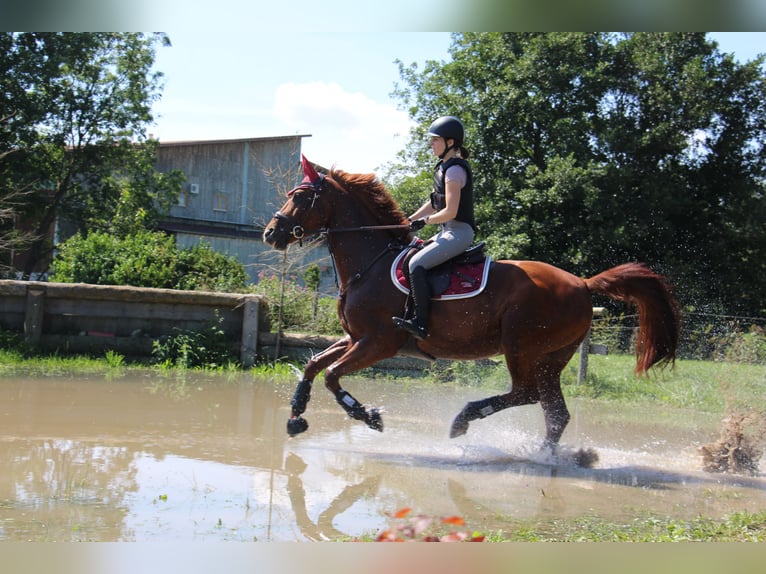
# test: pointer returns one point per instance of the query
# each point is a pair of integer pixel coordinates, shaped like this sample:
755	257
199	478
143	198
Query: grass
736	527
707	386
13	362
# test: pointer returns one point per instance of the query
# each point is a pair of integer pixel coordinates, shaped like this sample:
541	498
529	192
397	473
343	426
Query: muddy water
146	457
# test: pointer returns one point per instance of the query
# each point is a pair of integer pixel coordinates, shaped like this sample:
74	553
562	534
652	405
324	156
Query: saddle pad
466	280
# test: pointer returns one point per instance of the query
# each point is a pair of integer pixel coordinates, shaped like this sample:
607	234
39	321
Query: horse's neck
354	251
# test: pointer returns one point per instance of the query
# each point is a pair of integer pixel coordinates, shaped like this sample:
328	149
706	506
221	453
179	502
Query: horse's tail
658	313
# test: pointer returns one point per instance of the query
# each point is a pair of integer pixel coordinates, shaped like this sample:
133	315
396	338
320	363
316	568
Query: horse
532	313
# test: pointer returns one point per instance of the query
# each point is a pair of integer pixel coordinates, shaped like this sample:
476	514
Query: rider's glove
417	225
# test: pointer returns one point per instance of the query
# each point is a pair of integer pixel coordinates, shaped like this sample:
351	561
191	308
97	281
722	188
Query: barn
232	189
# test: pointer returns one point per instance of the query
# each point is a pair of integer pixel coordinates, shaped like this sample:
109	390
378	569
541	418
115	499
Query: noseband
296	228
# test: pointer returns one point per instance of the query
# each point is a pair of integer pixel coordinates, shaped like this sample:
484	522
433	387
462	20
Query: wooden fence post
33	316
248	350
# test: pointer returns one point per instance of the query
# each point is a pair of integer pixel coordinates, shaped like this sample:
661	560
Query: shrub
302	309
207	348
749	347
203	268
145	259
86	260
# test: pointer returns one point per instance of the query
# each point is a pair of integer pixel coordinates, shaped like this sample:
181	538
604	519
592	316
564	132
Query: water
186	458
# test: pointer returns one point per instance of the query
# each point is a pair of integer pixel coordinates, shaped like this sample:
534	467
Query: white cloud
348	129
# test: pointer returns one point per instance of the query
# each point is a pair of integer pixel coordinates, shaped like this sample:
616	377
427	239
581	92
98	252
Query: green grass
15	362
708	386
737	527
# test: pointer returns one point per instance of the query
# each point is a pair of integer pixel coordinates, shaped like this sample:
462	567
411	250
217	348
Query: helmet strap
446	148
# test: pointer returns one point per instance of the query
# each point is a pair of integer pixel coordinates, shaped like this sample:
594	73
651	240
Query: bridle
296	228
298	231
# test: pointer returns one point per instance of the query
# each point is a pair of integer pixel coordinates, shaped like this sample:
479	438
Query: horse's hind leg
532	381
296	424
553	403
519	395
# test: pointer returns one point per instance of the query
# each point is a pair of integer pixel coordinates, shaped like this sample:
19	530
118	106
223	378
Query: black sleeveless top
439	194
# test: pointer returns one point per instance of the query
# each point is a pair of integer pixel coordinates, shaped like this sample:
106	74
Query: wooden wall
232	190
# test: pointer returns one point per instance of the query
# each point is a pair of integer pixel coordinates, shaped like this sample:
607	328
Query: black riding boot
421	295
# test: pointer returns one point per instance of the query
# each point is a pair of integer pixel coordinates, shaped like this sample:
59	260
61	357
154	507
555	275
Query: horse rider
450	205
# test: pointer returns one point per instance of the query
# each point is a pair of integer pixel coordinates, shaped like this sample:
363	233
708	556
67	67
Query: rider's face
438	145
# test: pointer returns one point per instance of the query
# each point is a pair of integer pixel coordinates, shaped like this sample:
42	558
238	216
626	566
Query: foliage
189	349
747	347
482	374
203	268
593	149
703	336
13	343
302	310
18	358
77	107
145	259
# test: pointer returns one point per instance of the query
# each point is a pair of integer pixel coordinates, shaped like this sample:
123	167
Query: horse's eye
301	197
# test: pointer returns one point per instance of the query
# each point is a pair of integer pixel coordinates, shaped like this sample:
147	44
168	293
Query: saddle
461	277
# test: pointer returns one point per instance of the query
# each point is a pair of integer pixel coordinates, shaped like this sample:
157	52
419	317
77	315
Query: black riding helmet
448	127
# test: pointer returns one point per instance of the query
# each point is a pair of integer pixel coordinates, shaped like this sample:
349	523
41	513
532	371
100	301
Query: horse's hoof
374	421
459	426
297	425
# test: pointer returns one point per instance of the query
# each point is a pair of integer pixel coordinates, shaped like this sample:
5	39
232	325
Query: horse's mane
369	190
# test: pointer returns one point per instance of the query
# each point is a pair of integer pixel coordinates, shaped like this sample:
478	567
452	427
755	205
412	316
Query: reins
359	274
365	228
299	232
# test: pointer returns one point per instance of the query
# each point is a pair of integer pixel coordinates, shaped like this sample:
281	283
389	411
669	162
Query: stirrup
412	327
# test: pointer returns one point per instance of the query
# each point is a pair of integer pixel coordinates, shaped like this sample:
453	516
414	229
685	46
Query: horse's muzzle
273	237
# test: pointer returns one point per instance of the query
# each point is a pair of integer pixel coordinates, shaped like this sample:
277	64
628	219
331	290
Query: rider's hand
417	225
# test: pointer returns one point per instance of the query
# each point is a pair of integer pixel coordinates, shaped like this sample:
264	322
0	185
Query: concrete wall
80	318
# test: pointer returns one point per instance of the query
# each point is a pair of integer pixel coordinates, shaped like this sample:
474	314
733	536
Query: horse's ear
309	172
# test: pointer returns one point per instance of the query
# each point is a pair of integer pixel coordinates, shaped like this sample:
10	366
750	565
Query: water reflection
145	457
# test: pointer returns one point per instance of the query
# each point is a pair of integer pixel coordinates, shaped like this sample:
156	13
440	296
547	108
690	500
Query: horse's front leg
296	424
363	353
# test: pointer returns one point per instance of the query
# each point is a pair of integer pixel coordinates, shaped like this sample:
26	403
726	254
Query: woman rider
451	206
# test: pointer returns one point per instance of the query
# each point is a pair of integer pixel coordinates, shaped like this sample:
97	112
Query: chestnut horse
532	313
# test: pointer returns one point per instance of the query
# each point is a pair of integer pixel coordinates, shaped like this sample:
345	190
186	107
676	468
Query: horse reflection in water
323	528
532	313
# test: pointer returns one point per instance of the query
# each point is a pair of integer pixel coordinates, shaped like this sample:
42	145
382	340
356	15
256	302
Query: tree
591	149
78	108
11	238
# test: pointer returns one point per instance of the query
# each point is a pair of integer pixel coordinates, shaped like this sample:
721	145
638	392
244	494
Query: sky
334	87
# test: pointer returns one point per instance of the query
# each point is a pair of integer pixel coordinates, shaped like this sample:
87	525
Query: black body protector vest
439	194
